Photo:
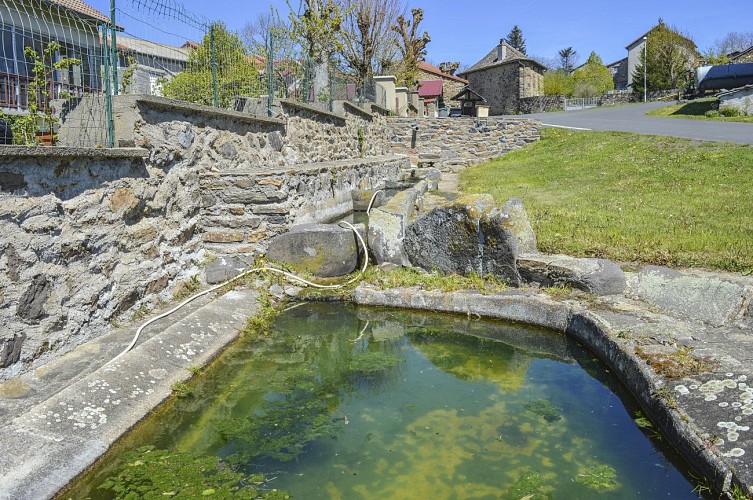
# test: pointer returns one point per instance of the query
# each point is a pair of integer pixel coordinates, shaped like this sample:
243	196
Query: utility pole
645	65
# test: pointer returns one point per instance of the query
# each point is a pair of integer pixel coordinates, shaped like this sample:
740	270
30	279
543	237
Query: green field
696	110
631	198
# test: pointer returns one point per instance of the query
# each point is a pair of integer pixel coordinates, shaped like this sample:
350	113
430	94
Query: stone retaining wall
457	142
241	210
90	237
542	104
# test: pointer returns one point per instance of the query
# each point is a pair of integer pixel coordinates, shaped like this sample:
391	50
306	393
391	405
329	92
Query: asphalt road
632	118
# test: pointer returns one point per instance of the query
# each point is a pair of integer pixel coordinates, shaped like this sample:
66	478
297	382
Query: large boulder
471	235
597	276
323	250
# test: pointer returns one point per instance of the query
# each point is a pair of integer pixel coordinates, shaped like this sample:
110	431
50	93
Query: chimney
501	50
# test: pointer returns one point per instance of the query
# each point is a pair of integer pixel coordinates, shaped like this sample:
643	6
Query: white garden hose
373	197
245	273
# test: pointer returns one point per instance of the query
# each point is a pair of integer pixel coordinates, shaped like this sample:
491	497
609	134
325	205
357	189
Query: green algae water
341	402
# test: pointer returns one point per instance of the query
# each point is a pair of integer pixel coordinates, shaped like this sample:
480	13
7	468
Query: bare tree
255	34
317	25
411	46
369	45
734	41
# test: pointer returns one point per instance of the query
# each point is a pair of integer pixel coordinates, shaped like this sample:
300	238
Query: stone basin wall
242	210
92	237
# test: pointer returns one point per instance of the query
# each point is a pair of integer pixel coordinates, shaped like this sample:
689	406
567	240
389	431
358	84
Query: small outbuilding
469	101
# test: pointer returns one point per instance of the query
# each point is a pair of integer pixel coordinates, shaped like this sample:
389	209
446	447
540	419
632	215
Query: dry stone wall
450	143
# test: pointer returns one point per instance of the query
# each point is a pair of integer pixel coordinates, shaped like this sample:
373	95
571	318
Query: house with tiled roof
503	77
152	62
34	24
436	86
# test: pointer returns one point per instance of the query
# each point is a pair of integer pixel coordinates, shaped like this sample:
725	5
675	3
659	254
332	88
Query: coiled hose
288	275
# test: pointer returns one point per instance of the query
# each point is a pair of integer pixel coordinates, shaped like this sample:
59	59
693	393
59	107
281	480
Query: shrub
712	113
729	112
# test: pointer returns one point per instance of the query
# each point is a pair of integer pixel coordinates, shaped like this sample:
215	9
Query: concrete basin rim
643	385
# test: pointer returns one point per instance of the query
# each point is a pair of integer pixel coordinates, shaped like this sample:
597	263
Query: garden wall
456	142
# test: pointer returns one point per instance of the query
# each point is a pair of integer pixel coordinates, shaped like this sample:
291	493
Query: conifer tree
515	39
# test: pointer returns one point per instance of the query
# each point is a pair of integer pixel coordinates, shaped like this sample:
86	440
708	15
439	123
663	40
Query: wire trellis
62	62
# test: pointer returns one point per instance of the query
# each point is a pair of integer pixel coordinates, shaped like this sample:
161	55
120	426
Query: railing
14	92
581	103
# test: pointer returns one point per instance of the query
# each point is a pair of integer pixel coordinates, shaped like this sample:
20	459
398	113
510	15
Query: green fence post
214	66
270	71
114	48
108	90
332	86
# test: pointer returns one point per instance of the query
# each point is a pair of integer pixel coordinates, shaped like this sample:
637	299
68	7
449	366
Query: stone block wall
542	103
457	142
90	236
83	239
241	210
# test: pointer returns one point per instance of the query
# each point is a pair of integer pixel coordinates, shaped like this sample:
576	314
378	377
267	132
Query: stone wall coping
380	109
356	109
69	152
172	104
306	167
312	109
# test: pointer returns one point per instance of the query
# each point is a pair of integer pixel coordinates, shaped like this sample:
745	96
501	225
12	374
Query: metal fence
581	103
61	61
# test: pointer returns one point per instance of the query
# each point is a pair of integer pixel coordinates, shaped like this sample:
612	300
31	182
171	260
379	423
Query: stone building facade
503	77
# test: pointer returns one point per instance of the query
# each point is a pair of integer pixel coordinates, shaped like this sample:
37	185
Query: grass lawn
631	198
695	110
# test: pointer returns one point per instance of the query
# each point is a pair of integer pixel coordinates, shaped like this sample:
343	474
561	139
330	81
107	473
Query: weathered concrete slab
72	423
597	276
694	294
321	249
226	267
387	225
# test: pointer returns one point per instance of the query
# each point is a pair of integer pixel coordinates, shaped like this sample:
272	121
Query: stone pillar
414	100
421	107
401	98
386	91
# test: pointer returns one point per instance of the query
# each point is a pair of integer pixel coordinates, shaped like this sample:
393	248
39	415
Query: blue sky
466	30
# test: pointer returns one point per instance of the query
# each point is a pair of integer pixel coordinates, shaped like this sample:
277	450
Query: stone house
72	24
619	70
154	62
503	77
450	84
742	56
635	51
